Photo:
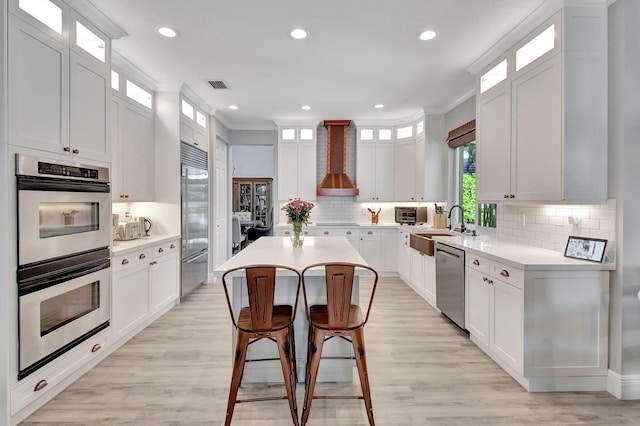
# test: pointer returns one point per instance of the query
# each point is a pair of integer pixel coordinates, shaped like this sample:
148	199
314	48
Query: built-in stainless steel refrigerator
195	217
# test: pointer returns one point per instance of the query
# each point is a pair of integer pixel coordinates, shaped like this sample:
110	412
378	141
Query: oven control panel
67	170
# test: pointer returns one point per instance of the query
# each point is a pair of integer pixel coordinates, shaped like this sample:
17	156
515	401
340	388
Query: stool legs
236	377
285	348
316	341
357	340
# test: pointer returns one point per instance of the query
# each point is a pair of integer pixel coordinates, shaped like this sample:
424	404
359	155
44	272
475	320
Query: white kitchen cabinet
404	256
351	234
478	296
429	283
58	99
297	162
194	124
145	285
409	168
375	170
370	248
164	276
538	135
132	171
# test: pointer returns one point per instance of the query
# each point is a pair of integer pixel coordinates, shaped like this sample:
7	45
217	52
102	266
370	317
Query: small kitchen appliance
411	215
145	226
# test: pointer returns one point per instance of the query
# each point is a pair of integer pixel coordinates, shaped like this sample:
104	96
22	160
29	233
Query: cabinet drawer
479	263
163	249
370	232
508	274
337	232
56	372
289	231
125	261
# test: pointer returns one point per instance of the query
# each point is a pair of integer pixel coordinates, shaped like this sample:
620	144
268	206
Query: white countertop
278	251
120	247
520	255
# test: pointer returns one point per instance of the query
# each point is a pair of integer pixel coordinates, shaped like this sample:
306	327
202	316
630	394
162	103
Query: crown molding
133	72
87	10
462	97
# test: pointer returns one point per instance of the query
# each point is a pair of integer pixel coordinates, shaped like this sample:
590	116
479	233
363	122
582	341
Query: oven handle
30	183
43	282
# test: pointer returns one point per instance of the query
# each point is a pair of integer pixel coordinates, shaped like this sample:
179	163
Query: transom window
201	119
90	42
138	94
494	76
187	109
44	11
541	44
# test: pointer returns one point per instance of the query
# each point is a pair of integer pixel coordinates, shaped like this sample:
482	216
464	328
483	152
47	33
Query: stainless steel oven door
55	318
52	224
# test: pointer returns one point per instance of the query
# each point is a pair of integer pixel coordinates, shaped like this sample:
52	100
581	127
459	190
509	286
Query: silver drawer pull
476	262
40	385
504	273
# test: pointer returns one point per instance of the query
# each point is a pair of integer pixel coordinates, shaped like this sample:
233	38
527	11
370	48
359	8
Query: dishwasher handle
446	253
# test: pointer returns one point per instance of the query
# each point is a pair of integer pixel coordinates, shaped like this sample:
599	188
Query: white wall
253	161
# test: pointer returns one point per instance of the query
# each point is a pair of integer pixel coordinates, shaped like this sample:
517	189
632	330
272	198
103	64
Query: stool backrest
339	290
260	283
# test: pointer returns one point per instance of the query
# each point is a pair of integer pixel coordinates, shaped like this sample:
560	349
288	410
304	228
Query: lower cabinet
145	284
547	328
403	254
423	275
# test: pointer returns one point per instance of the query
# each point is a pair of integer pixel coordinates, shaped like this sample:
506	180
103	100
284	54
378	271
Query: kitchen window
138	94
44	11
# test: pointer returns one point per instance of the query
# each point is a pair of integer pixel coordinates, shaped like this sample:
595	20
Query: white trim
95	16
134	73
192	96
623	387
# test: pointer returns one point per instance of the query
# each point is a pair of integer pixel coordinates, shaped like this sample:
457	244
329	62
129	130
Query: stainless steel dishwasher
450	282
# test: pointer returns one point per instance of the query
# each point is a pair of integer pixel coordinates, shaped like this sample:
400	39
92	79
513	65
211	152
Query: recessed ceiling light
378	106
233	106
167	32
299	33
305	107
428	35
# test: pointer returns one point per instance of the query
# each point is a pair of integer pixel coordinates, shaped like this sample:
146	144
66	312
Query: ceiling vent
336	181
218	84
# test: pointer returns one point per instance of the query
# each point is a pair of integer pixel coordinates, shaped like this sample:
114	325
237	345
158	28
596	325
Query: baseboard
623	387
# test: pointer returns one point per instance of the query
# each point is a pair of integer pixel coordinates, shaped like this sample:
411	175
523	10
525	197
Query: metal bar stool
263	320
338	318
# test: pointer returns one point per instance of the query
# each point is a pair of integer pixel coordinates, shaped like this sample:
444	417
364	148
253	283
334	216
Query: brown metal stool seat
338	318
263	320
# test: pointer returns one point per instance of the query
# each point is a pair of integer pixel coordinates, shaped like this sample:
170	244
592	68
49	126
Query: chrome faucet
462	227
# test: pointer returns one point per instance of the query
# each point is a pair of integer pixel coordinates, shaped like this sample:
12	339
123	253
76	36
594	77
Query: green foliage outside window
469	197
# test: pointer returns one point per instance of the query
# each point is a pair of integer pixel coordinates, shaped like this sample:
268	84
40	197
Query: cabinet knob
369	232
142	256
485	279
125	261
121	195
96	347
66	149
126	195
504	273
306	232
326	232
286	232
476	262
506	195
40	385
512	196
76	151
155	262
490	281
195	143
348	232
160	250
172	246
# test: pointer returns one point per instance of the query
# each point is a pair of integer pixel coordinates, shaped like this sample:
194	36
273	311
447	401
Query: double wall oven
64	276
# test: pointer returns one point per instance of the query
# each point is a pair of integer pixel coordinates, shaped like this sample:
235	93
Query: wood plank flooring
423	371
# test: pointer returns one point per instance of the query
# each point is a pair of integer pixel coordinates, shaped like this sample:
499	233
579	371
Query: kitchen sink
424	242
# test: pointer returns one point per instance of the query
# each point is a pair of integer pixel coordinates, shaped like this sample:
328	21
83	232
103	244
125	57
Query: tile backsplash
548	226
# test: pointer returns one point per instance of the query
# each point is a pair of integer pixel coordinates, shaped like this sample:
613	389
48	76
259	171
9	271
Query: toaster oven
411	215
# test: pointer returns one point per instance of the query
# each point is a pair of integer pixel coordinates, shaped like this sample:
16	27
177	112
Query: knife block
440	220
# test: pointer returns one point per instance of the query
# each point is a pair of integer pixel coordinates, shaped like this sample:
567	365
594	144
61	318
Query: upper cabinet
541	114
58	81
374	173
132	136
194	124
297	161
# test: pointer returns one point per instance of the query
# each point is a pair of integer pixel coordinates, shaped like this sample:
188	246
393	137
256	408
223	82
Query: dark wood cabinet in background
253	195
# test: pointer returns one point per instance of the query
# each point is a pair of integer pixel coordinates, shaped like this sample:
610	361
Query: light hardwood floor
423	371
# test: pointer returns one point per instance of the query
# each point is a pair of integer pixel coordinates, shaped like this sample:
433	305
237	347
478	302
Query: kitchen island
279	251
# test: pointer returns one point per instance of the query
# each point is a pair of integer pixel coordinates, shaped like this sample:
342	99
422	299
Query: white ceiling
359	53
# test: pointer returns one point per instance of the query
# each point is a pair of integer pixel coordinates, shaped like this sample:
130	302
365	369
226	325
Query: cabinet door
201	138
404	260
388	250
130	299
419	168
38	89
163	281
89	96
405	170
371	249
187	130
138	154
536	157
429	278
493	145
366	171
384	172
417	269
478	305
117	153
506	324
288	170
306	172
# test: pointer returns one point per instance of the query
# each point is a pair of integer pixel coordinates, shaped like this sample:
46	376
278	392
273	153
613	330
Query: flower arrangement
298	211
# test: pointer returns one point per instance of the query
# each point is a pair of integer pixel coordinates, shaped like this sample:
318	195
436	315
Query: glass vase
297	239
